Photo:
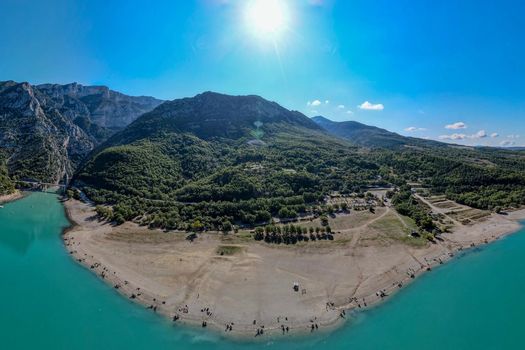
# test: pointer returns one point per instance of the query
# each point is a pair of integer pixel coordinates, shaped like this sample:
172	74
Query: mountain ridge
372	136
46	130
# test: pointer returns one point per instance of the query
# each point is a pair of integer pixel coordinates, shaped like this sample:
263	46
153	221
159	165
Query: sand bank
253	287
11	197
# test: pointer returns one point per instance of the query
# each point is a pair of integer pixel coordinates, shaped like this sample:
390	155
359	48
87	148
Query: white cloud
513	136
456	136
314	103
349	112
479	135
453	137
494	135
341	106
456	126
327	101
371	107
414	129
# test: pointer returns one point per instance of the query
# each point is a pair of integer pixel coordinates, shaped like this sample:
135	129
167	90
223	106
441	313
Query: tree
197	226
226	226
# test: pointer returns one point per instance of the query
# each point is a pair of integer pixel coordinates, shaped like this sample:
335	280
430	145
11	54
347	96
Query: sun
266	19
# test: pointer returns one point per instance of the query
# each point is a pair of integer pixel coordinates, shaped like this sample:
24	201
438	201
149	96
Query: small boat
1	206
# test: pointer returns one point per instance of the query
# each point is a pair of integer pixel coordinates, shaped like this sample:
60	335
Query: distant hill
371	136
46	130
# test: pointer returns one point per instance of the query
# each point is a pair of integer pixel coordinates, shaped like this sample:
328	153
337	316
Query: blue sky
450	69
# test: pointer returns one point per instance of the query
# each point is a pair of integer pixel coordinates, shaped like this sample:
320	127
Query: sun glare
266	19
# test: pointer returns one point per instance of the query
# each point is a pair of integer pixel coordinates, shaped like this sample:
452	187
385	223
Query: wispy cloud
371	106
314	103
341	106
454	137
349	112
507	143
456	126
479	135
457	136
414	129
494	135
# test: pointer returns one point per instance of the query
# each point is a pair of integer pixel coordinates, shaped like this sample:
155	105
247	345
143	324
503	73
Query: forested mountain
216	159
482	177
6	185
46	130
371	136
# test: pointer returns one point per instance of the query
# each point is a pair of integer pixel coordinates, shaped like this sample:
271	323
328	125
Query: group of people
357	302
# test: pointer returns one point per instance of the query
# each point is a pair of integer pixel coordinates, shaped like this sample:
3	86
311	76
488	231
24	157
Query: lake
50	302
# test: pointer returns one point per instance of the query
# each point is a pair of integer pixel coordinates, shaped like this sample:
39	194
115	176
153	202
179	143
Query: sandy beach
11	197
251	288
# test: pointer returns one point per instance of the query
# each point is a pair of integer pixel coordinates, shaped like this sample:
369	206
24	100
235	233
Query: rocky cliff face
107	108
46	130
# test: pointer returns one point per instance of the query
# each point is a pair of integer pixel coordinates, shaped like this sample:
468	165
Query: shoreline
327	314
8	198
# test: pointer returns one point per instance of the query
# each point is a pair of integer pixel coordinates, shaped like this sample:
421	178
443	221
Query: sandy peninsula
240	287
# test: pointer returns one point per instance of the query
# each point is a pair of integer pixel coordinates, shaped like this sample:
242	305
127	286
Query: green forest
6	185
180	181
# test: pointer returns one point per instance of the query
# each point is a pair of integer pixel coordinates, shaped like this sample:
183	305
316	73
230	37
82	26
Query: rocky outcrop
107	108
46	130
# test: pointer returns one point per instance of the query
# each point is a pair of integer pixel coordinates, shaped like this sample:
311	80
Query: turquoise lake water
50	302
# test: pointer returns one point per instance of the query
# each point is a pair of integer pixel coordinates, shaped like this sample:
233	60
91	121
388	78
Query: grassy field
396	228
229	249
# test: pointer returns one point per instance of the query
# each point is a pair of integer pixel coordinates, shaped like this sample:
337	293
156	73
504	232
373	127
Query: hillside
217	158
6	185
46	130
213	160
371	136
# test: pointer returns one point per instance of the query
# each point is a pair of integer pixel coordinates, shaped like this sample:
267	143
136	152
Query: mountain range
371	136
214	158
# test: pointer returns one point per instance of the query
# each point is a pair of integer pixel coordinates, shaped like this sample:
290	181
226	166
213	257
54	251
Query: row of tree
291	234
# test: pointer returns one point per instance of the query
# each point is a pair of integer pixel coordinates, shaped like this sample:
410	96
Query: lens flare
266	19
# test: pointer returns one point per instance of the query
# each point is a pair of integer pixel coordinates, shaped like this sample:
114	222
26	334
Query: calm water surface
50	302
